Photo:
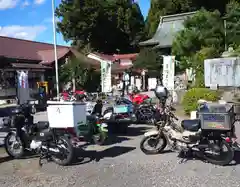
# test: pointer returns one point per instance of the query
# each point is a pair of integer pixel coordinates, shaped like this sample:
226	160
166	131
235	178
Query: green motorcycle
95	130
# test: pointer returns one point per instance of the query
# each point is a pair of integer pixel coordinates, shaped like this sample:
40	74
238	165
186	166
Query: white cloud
39	2
50	20
22	32
25	4
7	4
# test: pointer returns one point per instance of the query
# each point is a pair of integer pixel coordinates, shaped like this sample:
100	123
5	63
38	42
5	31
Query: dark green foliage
233	24
204	30
149	59
106	26
168	7
85	77
164	7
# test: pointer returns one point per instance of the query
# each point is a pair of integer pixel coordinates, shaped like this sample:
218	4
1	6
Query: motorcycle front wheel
157	142
66	154
99	138
216	155
14	146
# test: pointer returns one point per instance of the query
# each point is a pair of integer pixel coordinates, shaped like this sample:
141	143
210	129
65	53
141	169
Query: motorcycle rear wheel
68	147
154	138
226	160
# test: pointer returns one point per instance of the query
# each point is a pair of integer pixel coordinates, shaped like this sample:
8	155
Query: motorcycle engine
35	144
182	139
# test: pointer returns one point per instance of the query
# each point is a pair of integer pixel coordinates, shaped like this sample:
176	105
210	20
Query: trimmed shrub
191	97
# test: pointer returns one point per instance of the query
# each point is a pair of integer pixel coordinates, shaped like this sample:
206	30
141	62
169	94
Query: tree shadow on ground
86	156
137	130
27	155
197	156
5	159
114	139
133	130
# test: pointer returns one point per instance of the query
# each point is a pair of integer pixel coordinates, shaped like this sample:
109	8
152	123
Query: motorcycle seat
191	124
42	125
93	118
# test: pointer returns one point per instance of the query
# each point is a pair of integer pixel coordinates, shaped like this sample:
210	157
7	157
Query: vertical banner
103	70
23	93
106	80
168	72
22	79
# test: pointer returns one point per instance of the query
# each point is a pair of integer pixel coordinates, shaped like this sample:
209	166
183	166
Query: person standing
126	81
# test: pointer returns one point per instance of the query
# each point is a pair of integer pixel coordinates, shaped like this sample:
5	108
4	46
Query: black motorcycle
24	135
144	113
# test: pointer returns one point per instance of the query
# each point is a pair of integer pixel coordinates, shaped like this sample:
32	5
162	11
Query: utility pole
55	47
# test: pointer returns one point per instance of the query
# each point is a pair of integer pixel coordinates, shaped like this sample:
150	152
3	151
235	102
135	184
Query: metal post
55	47
225	34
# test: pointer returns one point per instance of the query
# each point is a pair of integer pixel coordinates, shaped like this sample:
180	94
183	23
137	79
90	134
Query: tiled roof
23	49
131	56
104	56
114	57
36	51
47	56
167	29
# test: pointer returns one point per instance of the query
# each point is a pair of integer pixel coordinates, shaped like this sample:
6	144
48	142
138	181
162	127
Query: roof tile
23	49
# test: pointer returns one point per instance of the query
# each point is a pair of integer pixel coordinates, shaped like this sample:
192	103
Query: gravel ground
117	165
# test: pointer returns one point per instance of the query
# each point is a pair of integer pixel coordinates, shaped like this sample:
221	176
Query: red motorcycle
138	98
73	96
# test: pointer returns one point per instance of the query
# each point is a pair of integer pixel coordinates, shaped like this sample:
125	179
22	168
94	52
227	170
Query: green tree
75	71
204	30
101	25
233	25
197	64
164	7
149	59
167	7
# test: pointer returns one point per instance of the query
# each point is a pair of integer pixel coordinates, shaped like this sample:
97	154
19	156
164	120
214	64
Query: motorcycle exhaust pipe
211	146
53	150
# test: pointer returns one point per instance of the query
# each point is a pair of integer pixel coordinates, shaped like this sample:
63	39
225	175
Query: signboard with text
168	72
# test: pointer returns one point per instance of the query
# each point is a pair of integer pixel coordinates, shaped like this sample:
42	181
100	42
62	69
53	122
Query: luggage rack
236	108
217	117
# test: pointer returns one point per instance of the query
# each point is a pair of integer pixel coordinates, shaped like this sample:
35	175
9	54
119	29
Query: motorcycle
24	135
138	98
73	96
97	129
188	139
146	113
68	96
141	113
123	115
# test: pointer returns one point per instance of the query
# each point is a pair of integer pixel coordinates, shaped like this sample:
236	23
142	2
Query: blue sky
31	19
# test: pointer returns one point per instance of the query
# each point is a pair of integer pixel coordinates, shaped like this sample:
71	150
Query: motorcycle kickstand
185	155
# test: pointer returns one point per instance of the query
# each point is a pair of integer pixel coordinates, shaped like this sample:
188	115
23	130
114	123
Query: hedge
191	97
